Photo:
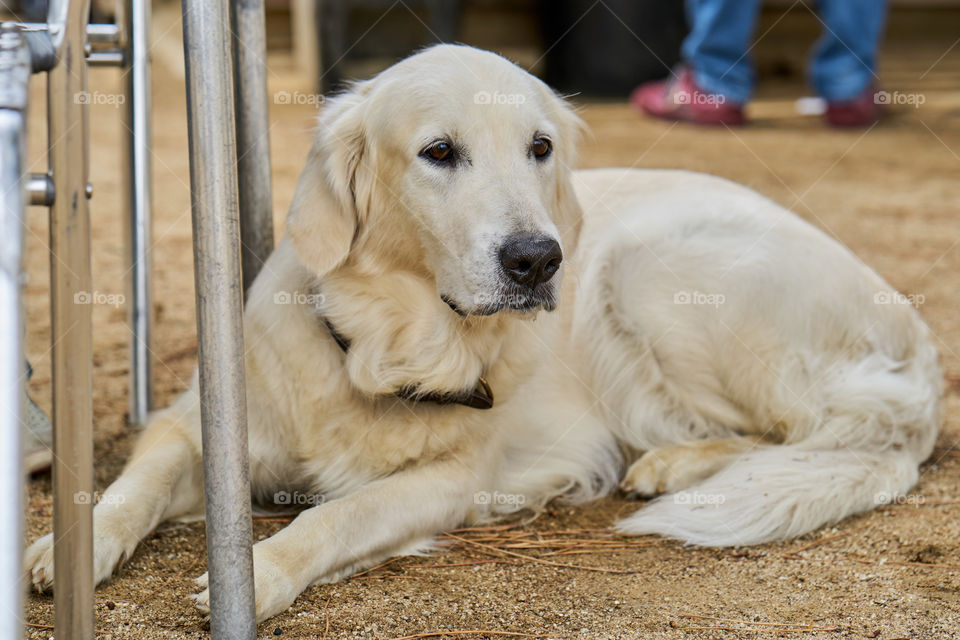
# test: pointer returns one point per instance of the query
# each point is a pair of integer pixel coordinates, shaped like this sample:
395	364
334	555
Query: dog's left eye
440	151
541	147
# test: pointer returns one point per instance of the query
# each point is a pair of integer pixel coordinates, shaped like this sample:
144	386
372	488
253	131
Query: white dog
457	326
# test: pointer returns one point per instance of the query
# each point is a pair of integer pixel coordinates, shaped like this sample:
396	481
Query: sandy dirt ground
888	193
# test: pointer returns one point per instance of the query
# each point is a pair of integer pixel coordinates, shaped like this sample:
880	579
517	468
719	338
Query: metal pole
137	186
70	294
213	183
14	76
253	136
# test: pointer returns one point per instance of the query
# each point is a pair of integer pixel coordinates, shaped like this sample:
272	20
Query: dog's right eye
440	152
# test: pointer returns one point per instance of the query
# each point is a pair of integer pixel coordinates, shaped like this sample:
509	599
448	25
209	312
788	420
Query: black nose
530	259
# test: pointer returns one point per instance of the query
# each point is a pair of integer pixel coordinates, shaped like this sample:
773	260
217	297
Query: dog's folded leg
161	481
361	529
677	467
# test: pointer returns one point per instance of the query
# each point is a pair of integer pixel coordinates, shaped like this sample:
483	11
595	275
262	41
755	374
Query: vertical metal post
70	294
253	136
216	237
14	76
137	186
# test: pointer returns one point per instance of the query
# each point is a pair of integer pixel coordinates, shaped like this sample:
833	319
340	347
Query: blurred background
596	48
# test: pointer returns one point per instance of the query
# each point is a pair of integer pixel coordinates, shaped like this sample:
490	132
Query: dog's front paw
38	561
202	599
274	590
108	554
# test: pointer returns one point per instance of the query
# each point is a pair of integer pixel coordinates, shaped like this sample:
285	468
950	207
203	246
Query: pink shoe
861	111
680	99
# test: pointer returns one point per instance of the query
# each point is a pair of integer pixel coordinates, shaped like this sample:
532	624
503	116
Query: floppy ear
569	218
330	202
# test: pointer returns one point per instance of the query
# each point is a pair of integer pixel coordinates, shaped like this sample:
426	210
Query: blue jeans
843	61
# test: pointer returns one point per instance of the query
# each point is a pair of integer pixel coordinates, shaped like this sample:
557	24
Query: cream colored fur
753	361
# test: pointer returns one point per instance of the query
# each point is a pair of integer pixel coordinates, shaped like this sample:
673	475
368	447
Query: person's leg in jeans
717	75
845	57
718	45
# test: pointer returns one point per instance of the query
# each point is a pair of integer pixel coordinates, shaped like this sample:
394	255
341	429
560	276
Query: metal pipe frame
216	233
218	149
71	325
137	196
14	79
108	34
106	58
253	136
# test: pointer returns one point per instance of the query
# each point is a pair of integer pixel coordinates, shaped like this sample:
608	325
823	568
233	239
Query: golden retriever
457	326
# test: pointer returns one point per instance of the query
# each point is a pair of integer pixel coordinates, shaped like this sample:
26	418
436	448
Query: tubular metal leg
136	121
70	292
213	183
253	136
14	75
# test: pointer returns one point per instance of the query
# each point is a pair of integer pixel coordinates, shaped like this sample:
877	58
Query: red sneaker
861	111
680	99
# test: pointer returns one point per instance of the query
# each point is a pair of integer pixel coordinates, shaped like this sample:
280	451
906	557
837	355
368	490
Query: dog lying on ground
457	327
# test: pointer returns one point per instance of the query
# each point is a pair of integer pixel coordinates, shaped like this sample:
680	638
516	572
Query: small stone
278	631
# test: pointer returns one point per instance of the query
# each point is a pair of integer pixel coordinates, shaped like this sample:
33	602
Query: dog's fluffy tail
880	420
775	493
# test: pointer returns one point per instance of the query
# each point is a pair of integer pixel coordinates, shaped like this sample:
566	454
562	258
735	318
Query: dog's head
454	163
